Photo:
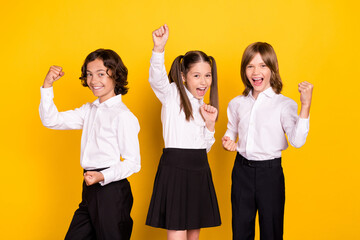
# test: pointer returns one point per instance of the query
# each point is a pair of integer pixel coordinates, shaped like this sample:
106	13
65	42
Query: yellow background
316	41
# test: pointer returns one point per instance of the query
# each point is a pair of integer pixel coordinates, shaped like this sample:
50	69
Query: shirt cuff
157	57
231	135
47	93
303	124
208	133
108	176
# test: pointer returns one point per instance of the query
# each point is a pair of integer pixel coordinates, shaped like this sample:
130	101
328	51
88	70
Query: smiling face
100	83
258	74
198	79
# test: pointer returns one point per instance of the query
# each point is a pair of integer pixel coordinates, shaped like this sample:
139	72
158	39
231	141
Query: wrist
304	112
210	125
47	85
158	49
305	106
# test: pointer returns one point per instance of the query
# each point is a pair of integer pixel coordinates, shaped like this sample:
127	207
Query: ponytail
214	96
176	77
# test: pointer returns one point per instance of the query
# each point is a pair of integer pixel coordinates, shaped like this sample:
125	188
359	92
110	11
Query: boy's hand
209	113
92	177
55	72
160	37
305	90
228	144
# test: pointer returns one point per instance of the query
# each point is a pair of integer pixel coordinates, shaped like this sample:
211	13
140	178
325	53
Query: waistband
96	170
191	159
258	164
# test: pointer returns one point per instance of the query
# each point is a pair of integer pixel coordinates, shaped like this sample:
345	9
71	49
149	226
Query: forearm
304	111
121	170
52	118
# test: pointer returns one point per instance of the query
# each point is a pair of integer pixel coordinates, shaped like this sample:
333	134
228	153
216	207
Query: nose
256	70
202	80
93	79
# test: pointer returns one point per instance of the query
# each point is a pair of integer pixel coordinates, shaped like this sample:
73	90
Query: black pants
257	186
104	213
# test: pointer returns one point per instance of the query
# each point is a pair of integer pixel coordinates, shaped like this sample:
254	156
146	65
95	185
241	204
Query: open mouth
201	91
97	88
257	81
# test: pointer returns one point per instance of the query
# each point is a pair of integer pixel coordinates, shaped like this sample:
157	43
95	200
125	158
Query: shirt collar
268	92
108	103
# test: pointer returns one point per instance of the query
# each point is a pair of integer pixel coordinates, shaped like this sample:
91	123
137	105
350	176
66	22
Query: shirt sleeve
128	130
52	118
296	128
233	121
158	78
209	138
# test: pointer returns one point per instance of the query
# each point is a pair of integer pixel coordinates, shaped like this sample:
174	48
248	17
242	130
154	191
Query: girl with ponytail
184	199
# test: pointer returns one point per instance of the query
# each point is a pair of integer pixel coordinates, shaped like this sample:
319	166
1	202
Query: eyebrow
99	70
199	72
255	64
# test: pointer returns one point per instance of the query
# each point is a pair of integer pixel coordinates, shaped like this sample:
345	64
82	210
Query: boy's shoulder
237	100
285	102
122	110
284	99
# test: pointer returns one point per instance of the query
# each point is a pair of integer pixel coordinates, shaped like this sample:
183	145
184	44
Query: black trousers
104	213
257	186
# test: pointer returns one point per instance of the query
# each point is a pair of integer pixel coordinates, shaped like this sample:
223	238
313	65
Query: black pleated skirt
184	195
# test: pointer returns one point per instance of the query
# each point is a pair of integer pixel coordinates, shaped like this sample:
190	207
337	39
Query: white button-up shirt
177	131
110	131
261	124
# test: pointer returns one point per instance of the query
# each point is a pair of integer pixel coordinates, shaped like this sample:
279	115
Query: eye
88	74
208	75
263	65
196	75
101	74
249	66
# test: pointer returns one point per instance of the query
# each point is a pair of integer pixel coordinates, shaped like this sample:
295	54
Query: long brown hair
112	62
182	65
268	55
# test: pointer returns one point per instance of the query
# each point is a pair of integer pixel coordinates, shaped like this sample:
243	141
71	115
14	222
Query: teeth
257	79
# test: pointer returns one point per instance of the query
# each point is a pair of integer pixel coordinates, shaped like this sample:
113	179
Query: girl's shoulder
172	96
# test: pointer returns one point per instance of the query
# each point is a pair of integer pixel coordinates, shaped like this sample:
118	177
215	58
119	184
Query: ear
109	72
183	77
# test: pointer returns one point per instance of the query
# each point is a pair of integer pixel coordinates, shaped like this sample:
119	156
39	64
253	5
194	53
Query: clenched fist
209	113
54	73
160	37
305	90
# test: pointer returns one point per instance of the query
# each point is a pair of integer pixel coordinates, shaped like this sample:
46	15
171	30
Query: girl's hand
92	177
228	144
305	90
54	73
160	37
209	113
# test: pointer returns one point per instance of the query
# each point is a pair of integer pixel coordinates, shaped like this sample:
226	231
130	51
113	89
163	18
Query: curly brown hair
112	62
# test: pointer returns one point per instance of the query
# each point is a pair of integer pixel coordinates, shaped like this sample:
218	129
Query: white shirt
261	125
110	130
177	131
